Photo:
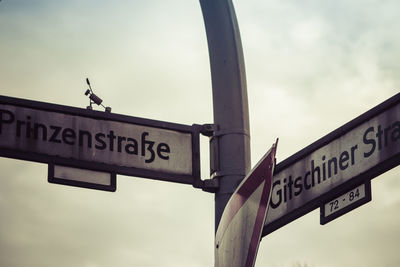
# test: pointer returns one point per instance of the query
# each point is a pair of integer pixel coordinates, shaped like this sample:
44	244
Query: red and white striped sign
239	231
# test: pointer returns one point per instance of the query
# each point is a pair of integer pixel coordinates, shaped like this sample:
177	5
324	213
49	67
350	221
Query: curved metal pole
231	138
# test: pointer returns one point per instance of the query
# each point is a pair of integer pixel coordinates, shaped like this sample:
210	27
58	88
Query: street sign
346	202
82	178
360	150
99	141
239	231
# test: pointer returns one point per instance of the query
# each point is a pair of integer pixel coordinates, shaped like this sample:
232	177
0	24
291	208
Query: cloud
311	67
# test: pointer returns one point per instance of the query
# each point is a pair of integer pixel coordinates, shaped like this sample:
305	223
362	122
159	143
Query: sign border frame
194	130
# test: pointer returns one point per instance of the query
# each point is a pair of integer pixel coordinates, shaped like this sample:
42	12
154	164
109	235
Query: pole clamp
237	172
210	185
207	129
218	133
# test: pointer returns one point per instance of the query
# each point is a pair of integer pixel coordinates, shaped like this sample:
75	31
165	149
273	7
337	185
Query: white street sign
362	149
82	178
346	202
79	137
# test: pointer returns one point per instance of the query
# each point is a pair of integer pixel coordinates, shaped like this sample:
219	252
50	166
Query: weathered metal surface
126	145
362	149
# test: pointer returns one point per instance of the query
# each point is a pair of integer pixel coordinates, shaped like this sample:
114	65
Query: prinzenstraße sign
361	149
45	132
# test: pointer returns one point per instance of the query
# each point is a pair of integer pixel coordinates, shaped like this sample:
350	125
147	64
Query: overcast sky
311	67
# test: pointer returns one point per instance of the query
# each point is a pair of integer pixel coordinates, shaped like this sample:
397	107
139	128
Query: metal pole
230	143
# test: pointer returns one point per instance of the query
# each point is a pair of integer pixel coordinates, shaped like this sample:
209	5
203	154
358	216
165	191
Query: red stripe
259	223
251	183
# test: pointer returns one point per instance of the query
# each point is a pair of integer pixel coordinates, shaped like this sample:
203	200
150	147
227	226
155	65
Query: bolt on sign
360	150
98	141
